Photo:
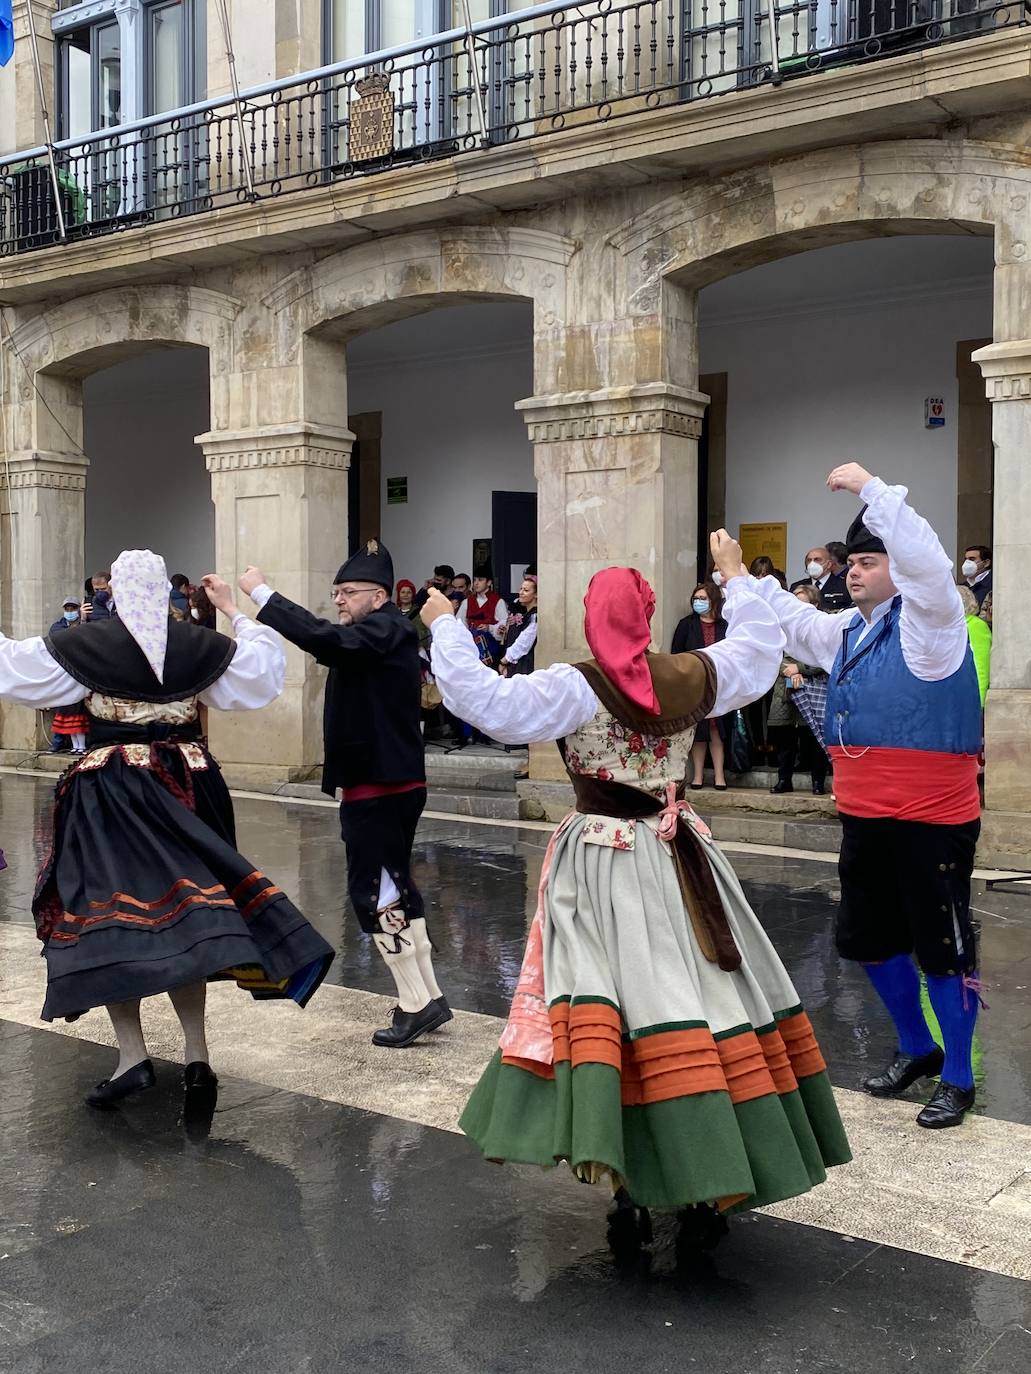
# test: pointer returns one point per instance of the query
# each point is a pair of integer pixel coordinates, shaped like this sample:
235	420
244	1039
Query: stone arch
730	223
58	347
376	283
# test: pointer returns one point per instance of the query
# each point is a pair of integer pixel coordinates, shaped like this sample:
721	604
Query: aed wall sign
934	412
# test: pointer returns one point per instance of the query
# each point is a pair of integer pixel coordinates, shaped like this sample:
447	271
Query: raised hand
849	477
250	578
437	604
726	554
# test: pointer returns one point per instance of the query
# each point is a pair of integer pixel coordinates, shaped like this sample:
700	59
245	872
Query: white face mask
969	567
195	613
814	569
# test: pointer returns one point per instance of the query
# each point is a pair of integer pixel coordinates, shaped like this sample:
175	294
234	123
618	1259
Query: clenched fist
250	578
437	604
849	477
726	554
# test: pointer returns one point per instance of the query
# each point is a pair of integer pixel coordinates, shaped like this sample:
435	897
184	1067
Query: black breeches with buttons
379	833
905	889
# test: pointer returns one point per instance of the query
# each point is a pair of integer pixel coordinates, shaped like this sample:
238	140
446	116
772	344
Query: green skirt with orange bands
725	1099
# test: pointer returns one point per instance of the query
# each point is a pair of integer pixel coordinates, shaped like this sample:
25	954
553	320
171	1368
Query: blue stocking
956	1010
898	986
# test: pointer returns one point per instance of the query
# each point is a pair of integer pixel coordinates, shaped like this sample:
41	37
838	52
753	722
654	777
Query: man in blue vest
903	730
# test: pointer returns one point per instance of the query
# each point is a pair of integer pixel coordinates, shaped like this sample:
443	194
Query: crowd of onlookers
777	729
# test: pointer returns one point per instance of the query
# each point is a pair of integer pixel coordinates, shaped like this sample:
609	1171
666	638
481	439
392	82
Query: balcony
502	82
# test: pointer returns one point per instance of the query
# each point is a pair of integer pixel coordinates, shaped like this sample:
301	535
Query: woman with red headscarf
654	1036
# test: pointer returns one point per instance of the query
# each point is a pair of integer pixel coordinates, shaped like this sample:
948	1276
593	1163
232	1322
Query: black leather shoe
782	786
699	1228
409	1025
114	1090
947	1107
199	1075
819	789
442	1004
903	1072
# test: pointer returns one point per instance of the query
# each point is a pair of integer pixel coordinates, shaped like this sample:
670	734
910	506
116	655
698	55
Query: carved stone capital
655	408
46	471
1006	368
277	446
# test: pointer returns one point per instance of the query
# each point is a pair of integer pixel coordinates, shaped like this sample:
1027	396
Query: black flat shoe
409	1025
629	1229
115	1090
779	787
442	1004
948	1106
819	790
903	1072
199	1075
699	1228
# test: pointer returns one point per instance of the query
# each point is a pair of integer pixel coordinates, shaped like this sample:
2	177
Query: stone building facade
609	228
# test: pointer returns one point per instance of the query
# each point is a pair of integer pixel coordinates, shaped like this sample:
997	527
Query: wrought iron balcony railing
500	81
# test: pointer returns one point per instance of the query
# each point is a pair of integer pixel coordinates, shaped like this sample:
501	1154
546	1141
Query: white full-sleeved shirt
553	702
932	625
254	678
523	643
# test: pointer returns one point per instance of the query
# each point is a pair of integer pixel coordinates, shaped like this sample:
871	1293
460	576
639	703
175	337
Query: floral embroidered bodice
141	712
605	749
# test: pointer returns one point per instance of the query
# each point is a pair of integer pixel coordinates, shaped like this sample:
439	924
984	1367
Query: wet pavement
289	1233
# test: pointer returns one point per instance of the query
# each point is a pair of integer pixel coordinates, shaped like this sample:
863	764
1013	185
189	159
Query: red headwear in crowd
620	605
404	582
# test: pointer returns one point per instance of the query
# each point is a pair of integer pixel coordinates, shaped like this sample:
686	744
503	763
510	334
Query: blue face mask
71	615
699	607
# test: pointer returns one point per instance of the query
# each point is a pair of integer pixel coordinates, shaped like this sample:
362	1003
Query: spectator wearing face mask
70	722
100	606
703	628
202	612
831	585
977	569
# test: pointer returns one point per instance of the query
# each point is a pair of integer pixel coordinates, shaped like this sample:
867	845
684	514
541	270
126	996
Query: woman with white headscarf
144	890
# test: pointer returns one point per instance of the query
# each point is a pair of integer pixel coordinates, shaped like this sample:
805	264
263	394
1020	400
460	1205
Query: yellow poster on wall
770	539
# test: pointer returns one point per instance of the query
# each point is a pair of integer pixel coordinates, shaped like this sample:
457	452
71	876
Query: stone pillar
42	497
280	495
1007	371
28	116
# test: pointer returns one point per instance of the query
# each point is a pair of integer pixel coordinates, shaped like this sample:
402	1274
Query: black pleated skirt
144	889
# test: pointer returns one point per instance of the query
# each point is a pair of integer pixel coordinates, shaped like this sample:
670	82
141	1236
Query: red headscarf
620	605
403	583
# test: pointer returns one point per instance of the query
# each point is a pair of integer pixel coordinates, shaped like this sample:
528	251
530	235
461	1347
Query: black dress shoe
114	1090
442	1004
947	1107
199	1075
782	786
903	1072
699	1228
409	1025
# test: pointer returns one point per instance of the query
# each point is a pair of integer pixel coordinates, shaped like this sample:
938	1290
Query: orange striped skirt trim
678	1063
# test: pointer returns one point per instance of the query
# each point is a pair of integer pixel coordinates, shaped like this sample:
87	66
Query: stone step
493	806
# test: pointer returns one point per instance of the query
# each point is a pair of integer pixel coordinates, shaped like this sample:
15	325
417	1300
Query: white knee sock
78	741
132	1048
399	955
189	1005
424	954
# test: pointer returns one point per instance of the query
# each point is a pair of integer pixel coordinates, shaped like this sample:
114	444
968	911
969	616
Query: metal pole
470	46
55	183
771	14
248	170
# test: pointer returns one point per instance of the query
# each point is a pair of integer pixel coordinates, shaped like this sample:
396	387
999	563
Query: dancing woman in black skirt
144	890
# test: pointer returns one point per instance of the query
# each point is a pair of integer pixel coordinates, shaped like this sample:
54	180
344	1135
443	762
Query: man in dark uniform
830	584
374	763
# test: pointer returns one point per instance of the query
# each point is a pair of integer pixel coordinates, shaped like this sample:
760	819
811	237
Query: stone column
1007	371
42	497
28	117
280	494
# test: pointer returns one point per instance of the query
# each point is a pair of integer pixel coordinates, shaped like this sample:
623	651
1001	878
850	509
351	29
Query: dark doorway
712	466
514	535
363	479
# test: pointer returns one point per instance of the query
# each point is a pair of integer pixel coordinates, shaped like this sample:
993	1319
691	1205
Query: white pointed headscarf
140	587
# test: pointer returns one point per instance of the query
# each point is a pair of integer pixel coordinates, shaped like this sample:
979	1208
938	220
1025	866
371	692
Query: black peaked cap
370	563
861	540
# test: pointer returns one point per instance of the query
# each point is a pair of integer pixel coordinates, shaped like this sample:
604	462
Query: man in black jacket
831	585
375	764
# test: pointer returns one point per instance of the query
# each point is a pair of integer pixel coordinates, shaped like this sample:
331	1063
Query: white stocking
399	955
189	1007
424	954
132	1048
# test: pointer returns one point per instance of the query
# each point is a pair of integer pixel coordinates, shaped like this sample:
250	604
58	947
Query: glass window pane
166	58
109	84
348	29
78	107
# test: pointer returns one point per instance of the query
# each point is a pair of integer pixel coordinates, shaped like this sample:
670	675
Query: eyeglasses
338	592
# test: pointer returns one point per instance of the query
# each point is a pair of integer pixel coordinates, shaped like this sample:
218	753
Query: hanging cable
54	179
248	170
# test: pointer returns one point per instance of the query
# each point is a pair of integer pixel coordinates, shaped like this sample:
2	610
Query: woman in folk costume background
654	1035
144	890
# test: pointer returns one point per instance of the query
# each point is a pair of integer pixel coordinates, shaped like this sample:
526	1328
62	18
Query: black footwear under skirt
144	889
